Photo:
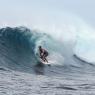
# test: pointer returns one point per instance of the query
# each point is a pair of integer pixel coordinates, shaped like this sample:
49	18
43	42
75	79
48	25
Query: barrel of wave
53	47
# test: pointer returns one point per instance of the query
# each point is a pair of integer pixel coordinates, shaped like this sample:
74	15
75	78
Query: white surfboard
49	62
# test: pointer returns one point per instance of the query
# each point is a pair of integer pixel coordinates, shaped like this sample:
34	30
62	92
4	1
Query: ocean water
21	72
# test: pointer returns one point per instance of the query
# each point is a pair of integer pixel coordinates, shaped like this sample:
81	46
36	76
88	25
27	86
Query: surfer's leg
46	60
42	58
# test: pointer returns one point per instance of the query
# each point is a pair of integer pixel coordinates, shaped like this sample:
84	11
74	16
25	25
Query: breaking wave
19	46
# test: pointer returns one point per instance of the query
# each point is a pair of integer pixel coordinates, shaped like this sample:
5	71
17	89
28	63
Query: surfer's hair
40	47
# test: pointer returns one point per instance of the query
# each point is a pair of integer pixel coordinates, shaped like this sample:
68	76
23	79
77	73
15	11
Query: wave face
85	47
19	47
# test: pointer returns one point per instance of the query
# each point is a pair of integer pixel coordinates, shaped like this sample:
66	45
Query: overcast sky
25	12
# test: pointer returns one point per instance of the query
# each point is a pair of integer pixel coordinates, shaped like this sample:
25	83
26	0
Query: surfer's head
40	47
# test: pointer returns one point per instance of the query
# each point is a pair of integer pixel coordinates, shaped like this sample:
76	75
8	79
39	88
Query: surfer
43	54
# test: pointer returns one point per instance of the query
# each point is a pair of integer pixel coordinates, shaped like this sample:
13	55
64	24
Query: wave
19	47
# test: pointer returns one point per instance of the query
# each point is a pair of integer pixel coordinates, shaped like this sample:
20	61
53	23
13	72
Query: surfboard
50	62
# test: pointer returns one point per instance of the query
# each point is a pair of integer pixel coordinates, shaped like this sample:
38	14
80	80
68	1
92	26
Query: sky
29	12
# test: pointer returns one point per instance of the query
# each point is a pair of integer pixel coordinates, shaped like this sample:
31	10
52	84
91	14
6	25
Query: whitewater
21	72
